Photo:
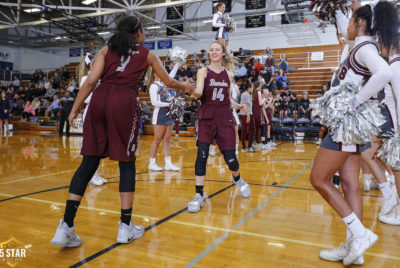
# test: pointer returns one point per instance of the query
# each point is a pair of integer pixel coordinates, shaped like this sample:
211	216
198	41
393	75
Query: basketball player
215	121
112	124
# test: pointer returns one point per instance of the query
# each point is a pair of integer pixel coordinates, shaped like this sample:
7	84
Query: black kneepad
127	180
201	160
231	160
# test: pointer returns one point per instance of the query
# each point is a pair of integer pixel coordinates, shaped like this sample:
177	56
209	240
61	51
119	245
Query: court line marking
99	253
225	235
272	237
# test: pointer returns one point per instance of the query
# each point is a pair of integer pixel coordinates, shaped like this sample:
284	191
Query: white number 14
217	94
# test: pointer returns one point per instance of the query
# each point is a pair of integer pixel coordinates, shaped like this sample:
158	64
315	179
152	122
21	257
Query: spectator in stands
144	110
56	80
35	76
270	63
285	95
65	75
293	106
54	107
241	55
278	106
241	72
204	54
11	94
258	65
17	106
44	105
5	109
47	83
16	83
66	106
168	67
190	114
281	79
268	50
266	74
186	71
250	63
50	93
28	111
36	104
27	94
304	106
283	63
253	73
323	90
39	91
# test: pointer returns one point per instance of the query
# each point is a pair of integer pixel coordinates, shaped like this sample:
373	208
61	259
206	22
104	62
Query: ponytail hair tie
215	4
88	61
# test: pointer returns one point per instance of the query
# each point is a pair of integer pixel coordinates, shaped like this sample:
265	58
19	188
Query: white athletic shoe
388	204
154	167
318	142
212	151
236	152
243	187
97	180
338	254
170	166
358	246
197	203
265	147
127	233
392	218
66	236
272	144
367	184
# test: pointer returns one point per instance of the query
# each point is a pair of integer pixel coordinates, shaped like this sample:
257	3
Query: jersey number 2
217	94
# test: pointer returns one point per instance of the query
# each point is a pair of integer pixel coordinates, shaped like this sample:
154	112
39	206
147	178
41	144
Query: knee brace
84	174
127	180
231	160
201	160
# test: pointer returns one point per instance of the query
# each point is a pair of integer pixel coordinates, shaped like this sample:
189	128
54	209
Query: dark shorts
258	116
216	125
387	130
328	143
112	123
4	115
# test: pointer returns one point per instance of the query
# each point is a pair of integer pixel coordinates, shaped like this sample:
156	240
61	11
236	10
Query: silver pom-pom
176	106
178	55
230	24
390	151
347	125
325	10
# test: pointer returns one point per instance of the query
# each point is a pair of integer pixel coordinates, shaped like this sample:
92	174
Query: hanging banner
255	4
75	52
174	13
164	44
255	21
151	45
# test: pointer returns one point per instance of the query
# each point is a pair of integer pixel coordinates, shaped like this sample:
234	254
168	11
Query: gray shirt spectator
246	98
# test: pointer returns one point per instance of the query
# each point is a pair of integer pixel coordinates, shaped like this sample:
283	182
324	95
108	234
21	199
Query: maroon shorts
218	125
269	116
112	123
258	115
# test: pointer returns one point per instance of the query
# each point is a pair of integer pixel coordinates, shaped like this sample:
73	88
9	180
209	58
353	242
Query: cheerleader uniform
353	71
235	95
214	116
159	96
4	105
115	102
218	22
394	62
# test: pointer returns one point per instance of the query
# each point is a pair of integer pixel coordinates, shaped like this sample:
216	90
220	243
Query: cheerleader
363	62
84	71
391	49
112	123
259	115
159	95
215	121
218	22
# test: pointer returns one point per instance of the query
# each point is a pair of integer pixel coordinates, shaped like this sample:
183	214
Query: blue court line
242	221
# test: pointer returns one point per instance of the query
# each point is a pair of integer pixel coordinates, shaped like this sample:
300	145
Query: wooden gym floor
284	223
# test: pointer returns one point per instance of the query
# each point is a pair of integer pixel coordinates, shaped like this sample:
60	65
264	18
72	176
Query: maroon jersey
128	71
256	103
216	88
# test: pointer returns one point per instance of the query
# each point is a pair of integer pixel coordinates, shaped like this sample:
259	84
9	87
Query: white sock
348	234
385	189
167	160
152	161
355	226
337	173
212	147
237	146
319	140
392	180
